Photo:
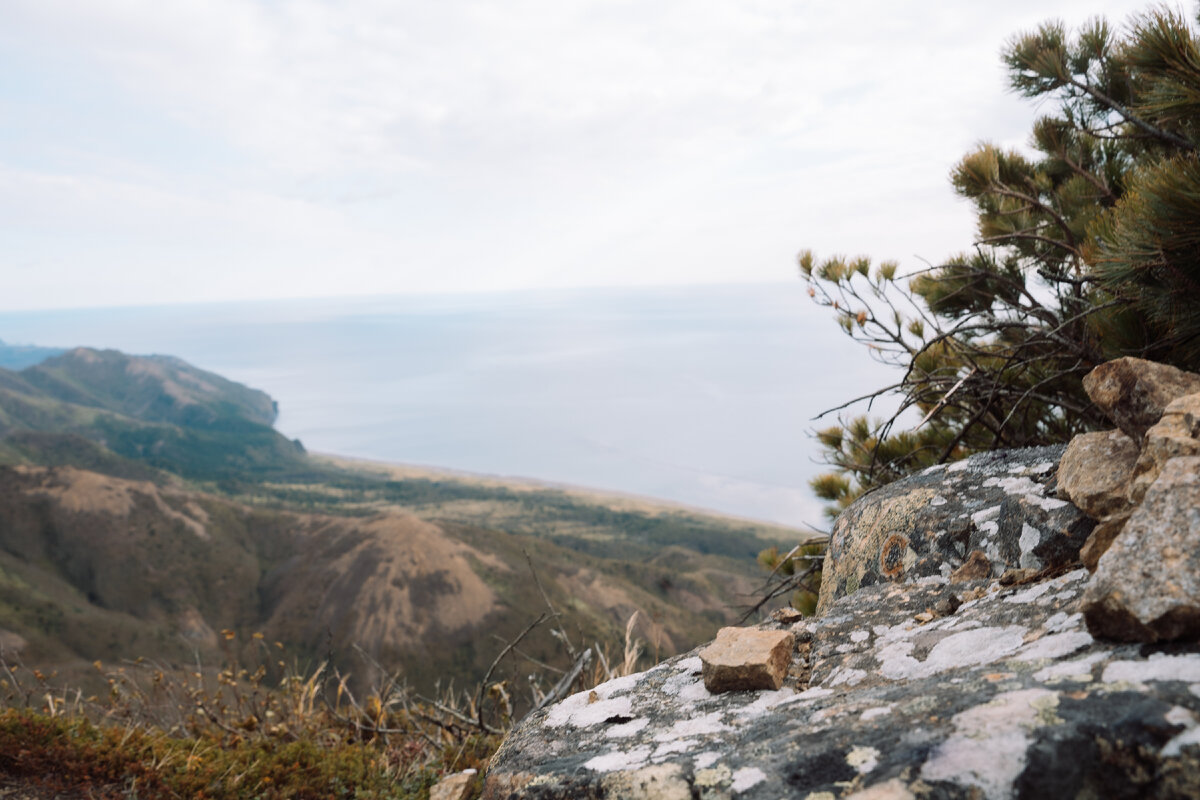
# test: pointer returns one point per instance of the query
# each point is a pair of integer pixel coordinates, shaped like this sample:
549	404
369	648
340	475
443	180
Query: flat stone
453	787
975	567
1095	471
742	659
1172	436
1146	588
1133	392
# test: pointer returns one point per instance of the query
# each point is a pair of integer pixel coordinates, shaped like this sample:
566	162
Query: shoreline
612	498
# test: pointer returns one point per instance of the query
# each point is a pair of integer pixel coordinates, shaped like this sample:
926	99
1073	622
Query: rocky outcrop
988	514
1007	696
1147	586
961	650
1139	483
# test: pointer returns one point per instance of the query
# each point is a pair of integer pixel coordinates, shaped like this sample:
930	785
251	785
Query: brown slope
93	566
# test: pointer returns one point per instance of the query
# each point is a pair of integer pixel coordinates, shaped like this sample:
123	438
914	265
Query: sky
209	150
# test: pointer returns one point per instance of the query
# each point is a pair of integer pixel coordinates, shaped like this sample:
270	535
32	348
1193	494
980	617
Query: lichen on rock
1001	505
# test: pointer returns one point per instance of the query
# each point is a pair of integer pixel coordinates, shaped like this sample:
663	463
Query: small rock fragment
1101	539
947	605
786	615
1147	586
453	787
974	568
1095	470
1017	576
1133	392
746	658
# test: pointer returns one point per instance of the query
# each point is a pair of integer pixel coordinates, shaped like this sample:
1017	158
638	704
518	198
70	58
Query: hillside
156	410
148	506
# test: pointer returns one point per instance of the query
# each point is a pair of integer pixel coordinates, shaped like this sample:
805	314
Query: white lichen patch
768	700
747	777
1028	595
670	748
1056	645
697	726
692	664
859	636
962	649
1158	667
578	712
1031	537
619	760
814	693
1078	670
1061	621
845	675
863	759
686	685
1028	490
627	729
986	521
618	685
1190	735
988	746
938	500
878	711
711	777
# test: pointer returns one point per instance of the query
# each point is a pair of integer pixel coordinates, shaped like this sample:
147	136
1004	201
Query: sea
706	396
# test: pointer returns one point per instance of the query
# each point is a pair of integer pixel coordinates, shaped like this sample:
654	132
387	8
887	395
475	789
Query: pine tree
1087	250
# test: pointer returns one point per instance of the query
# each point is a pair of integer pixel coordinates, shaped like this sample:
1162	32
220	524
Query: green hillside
147	506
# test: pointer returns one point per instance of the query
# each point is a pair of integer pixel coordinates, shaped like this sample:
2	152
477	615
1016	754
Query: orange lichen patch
891	558
996	677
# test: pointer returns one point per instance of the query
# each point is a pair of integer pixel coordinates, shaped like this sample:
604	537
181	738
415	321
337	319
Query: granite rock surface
1147	585
1001	505
1133	392
1008	695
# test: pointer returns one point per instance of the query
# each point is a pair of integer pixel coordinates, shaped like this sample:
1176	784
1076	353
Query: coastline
614	499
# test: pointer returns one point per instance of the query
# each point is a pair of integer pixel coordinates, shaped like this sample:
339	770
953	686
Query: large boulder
1133	392
998	506
1006	695
1147	586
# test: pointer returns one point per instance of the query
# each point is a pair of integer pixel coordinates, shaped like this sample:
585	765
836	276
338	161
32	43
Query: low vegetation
264	731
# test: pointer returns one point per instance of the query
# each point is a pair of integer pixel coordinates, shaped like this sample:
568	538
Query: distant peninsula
20	356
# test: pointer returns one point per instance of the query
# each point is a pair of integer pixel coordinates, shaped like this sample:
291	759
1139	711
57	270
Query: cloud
472	145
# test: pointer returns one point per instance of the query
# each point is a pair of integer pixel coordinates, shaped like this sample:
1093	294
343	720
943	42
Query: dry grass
264	730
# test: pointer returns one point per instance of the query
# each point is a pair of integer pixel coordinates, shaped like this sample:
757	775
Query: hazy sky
176	150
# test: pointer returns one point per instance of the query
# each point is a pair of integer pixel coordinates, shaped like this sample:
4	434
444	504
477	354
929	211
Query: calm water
701	395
